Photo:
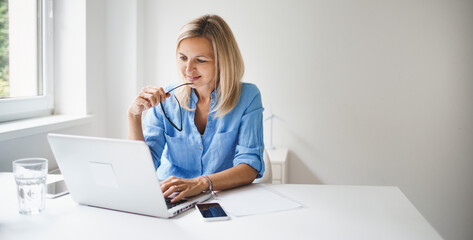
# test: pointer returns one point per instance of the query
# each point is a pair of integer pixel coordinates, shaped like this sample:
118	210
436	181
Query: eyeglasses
180	109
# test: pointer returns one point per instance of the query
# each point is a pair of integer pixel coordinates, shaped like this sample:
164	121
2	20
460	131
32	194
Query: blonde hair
229	67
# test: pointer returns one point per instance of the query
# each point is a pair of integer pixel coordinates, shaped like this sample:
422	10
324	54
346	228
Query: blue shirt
228	141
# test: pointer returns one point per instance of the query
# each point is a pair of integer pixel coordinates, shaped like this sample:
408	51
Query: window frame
28	107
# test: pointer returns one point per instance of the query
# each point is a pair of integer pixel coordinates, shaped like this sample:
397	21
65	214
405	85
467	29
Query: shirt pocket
177	153
224	144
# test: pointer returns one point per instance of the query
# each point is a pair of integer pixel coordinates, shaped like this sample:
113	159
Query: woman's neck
203	96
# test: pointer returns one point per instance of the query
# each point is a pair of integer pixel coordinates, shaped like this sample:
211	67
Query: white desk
329	212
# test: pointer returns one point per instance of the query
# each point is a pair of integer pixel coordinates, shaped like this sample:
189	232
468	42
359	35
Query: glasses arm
179	104
178	86
180	112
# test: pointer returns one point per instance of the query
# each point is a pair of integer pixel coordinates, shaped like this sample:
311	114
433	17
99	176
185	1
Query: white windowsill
27	127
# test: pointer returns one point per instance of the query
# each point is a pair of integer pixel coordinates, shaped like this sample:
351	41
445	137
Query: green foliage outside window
4	75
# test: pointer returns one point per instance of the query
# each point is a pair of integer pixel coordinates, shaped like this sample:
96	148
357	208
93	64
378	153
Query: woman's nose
189	67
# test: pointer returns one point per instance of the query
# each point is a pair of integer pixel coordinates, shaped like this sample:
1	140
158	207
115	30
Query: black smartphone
56	189
212	211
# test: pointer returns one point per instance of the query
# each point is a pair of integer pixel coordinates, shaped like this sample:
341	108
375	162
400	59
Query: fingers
179	196
154	95
179	191
180	187
148	97
171	185
143	102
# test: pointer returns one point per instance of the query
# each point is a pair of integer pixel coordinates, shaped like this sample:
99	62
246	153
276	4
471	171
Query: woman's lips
192	78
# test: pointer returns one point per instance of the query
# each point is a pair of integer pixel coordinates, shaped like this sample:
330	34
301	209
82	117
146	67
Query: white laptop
114	174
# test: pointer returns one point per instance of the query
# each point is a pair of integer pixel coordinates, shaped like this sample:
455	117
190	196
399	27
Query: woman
215	141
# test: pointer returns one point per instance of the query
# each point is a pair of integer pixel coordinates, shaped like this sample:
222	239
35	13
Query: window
25	59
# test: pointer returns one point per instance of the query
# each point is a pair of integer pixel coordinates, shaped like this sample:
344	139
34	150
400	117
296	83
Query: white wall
371	92
121	63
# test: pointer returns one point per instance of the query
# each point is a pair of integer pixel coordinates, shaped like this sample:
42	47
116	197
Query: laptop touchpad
104	175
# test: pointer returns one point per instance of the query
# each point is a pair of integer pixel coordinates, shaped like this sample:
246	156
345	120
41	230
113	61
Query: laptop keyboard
171	205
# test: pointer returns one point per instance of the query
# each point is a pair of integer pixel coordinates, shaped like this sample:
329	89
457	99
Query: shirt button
200	147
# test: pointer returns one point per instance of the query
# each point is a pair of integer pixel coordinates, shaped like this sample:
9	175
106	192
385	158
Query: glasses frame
178	103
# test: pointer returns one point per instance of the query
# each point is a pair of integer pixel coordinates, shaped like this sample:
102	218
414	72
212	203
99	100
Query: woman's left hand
183	187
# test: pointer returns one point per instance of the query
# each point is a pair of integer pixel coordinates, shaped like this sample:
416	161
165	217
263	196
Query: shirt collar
194	97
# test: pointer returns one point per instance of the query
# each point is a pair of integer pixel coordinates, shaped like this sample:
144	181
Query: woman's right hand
147	98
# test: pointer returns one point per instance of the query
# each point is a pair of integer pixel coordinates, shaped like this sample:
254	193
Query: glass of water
30	176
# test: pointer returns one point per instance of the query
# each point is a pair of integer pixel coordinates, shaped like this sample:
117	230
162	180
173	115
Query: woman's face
195	61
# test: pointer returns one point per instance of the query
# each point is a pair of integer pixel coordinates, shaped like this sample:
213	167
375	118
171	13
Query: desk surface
329	212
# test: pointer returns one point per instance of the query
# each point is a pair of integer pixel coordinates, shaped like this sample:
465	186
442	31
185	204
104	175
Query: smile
192	78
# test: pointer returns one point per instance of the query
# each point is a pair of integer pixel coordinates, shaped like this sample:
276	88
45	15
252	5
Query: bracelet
211	187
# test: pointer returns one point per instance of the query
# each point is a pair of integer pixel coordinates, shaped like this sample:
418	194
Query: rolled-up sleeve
250	147
153	133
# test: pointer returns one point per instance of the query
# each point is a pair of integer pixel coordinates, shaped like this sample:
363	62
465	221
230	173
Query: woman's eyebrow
204	56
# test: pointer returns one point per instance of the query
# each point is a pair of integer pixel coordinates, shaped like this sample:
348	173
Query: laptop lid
113	174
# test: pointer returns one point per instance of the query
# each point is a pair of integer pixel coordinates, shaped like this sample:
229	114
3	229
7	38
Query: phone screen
211	210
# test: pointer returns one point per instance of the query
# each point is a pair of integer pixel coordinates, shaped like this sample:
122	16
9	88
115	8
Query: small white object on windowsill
279	164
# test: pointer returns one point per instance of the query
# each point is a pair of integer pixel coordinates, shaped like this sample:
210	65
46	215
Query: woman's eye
201	61
183	58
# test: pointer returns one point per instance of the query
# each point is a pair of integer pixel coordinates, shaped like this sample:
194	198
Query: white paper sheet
254	199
